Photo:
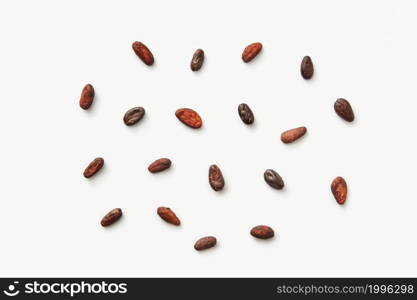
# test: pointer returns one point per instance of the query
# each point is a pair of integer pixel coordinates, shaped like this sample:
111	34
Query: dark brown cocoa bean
307	68
93	167
111	217
273	179
246	113
133	115
344	110
197	60
216	179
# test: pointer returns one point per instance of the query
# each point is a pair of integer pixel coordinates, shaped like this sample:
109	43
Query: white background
364	51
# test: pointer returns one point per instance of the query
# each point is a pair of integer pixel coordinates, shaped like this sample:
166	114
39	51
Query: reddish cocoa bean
339	189
251	51
205	243
168	215
291	135
159	165
94	167
87	96
143	53
262	232
189	117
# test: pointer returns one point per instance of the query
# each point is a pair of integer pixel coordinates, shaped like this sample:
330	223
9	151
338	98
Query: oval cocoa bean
111	217
168	215
216	179
197	60
189	117
344	110
291	135
246	113
205	243
159	165
87	96
262	232
273	179
251	51
133	115
143	53
339	189
307	68
94	167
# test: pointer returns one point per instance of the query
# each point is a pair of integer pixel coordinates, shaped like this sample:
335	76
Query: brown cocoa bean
251	52
291	135
189	117
93	167
143	53
168	215
159	165
205	243
111	217
216	179
273	179
307	68
339	189
197	60
133	115
87	96
262	232
246	114
344	110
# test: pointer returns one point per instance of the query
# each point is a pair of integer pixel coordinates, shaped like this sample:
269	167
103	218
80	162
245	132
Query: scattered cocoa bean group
193	120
